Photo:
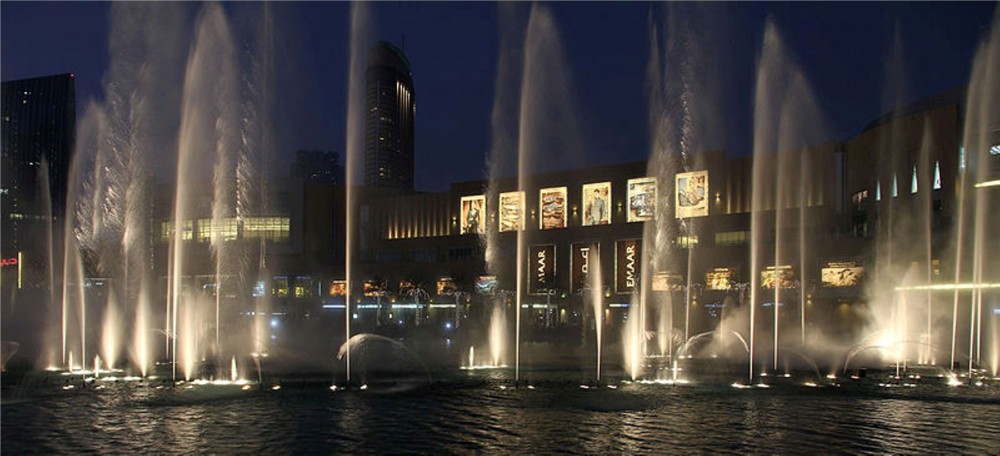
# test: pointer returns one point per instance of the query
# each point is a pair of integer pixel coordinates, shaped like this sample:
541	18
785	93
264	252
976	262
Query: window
268	228
687	242
460	253
937	175
279	287
427	255
732	238
389	256
860	200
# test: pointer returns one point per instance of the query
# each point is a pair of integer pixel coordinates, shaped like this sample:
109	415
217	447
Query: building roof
387	54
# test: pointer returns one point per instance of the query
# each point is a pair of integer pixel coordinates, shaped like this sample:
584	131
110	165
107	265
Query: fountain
222	131
355	145
221	121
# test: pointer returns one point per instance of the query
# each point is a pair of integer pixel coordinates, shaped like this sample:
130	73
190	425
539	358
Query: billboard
511	211
691	194
841	274
472	214
579	264
541	268
597	204
446	286
641	199
720	279
781	275
552	205
373	288
627	264
338	288
667	281
486	284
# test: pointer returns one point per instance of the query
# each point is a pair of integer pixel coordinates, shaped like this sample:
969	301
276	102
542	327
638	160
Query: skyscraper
37	127
389	119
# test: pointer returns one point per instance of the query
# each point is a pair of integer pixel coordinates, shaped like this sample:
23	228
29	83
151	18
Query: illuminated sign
446	286
597	204
667	281
373	288
720	279
782	275
486	284
337	288
641	199
472	212
579	264
552	204
12	261
841	274
511	211
628	255
541	268
691	194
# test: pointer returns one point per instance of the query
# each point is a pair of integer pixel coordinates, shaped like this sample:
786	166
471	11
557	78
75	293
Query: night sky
453	48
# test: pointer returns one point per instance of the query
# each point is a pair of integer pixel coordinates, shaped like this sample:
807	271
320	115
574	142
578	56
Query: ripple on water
557	417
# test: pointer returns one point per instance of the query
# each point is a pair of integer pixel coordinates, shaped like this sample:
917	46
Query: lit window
895	189
913	181
878	191
937	175
687	241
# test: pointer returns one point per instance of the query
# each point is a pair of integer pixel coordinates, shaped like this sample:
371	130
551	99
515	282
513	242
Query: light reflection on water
477	416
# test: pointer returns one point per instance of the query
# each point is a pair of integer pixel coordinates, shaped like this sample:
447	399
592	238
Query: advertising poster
579	264
511	211
720	279
691	194
541	268
641	199
841	274
552	204
597	204
782	276
472	216
486	284
338	288
628	259
372	288
445	286
667	281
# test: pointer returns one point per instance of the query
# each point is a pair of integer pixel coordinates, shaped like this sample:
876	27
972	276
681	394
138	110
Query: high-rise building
37	128
318	166
390	110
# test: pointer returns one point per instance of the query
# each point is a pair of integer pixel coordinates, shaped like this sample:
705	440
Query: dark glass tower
390	111
37	124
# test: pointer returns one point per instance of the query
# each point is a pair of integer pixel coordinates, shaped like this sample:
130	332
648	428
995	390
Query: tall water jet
502	161
979	140
498	336
633	338
355	146
110	334
596	301
787	120
209	125
78	228
548	131
684	95
141	351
